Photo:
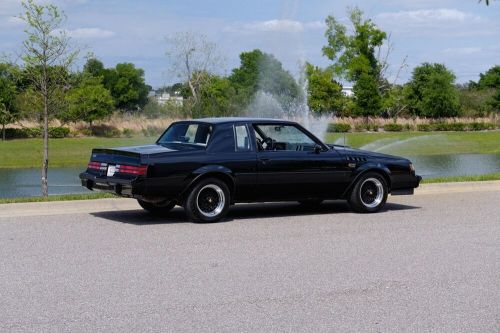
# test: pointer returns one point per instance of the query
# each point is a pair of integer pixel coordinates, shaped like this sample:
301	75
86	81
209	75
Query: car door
293	165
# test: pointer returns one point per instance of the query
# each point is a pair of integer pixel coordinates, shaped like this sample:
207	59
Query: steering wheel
269	143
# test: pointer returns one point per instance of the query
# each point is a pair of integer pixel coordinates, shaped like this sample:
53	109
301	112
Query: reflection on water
26	182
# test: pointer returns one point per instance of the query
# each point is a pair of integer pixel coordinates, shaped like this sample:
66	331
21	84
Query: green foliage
495	101
128	133
475	102
490	79
393	127
127	86
338	128
324	94
106	131
431	92
216	99
90	101
262	71
35	132
354	57
152	131
367	96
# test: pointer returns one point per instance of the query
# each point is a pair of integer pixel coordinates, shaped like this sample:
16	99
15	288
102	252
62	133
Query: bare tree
192	56
47	57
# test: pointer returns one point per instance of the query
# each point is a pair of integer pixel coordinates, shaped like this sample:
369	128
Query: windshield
187	134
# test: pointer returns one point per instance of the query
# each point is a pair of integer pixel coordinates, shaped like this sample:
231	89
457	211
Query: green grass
490	176
69	152
66	197
423	143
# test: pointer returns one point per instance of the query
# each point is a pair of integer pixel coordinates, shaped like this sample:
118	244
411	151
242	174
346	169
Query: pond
26	182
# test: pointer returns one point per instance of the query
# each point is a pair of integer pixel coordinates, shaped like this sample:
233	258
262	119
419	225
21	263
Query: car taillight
97	166
141	170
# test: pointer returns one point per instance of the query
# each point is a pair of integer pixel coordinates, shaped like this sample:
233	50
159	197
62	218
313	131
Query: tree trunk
45	166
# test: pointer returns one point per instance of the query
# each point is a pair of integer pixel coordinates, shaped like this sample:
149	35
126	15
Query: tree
46	56
431	91
261	71
90	101
324	94
8	93
490	79
216	99
94	67
127	86
354	57
191	56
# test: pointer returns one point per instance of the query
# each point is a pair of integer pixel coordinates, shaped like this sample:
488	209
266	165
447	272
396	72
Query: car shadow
240	212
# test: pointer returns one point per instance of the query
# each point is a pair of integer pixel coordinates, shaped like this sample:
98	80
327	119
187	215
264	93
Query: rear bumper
122	187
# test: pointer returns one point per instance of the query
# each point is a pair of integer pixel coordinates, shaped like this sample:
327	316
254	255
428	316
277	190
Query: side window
283	137
241	138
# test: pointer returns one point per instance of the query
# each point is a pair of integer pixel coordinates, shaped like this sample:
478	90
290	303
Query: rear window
189	134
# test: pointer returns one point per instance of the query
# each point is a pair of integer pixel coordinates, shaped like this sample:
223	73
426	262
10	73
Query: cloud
288	26
462	50
438	22
90	33
11	22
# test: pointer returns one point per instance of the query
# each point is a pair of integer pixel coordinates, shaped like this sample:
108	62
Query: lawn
27	153
422	143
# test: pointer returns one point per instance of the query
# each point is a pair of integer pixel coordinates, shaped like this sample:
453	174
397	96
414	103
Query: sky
463	34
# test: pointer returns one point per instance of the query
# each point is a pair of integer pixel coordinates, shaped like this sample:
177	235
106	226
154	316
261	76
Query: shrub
127	132
58	132
480	126
152	131
425	127
339	128
393	128
106	131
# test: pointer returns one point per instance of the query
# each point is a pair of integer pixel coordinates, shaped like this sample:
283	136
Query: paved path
429	262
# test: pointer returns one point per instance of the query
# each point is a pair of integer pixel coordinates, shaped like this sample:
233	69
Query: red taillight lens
141	170
97	165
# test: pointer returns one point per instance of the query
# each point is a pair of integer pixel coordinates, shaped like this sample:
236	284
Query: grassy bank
69	152
66	197
75	152
422	143
479	178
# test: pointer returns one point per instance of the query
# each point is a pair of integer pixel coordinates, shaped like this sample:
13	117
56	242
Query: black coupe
205	165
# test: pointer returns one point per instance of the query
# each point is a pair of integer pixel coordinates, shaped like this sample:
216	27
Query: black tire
311	203
208	201
161	208
369	194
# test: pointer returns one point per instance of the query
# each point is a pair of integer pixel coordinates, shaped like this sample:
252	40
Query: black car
205	165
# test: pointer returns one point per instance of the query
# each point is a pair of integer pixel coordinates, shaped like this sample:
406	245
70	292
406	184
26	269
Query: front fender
367	167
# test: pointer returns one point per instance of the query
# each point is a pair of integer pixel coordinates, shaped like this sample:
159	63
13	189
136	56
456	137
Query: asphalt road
429	262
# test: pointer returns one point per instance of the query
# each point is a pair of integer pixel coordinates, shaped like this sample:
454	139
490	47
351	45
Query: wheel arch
212	171
380	169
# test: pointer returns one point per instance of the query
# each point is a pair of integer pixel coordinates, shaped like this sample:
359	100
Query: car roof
223	120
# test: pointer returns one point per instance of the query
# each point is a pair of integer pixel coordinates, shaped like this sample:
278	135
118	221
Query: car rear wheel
208	201
369	193
158	207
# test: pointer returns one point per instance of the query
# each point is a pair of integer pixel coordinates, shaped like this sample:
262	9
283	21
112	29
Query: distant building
165	98
347	91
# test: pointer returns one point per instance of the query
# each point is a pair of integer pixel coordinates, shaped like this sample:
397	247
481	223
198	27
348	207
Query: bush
152	131
35	132
393	128
127	132
339	128
481	126
425	127
106	131
58	132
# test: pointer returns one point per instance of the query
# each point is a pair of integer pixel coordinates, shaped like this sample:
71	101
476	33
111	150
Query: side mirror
317	149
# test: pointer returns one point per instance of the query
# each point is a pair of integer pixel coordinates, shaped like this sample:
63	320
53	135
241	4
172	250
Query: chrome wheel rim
210	200
371	192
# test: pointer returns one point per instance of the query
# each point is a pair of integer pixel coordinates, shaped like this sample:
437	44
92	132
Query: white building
165	98
347	91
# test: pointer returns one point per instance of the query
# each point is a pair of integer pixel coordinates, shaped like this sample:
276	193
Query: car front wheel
208	201
369	193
